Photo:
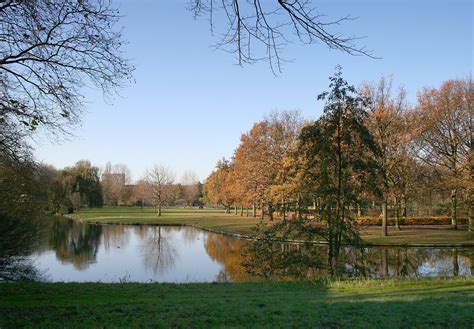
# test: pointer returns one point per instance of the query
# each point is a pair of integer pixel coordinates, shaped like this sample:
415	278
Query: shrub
377	221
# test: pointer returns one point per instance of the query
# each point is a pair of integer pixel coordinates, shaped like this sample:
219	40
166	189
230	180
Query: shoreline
250	237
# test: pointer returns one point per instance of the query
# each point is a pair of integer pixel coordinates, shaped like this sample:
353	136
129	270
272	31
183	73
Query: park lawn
419	303
418	234
207	218
217	220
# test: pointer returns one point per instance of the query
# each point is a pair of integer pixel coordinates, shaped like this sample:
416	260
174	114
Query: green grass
217	220
213	219
422	234
438	303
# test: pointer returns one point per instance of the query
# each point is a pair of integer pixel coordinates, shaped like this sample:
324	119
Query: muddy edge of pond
249	237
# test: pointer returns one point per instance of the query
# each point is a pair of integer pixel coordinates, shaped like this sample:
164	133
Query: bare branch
255	26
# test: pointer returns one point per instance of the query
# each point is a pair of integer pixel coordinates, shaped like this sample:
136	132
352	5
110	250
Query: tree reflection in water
190	234
272	260
228	252
115	236
18	240
23	243
74	242
158	253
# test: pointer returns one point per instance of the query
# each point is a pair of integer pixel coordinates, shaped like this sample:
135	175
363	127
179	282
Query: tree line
371	153
29	189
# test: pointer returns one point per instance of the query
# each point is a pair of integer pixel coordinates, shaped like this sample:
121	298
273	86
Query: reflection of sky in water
72	251
190	262
444	265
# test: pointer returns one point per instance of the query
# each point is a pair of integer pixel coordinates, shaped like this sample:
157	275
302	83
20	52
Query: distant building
114	178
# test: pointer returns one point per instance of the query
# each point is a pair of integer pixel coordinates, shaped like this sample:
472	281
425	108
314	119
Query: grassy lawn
438	303
216	219
418	234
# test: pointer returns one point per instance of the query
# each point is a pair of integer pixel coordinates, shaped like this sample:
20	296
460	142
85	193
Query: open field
213	219
438	303
217	220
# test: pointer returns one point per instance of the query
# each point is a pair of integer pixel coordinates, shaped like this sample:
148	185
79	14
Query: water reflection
75	242
71	251
229	253
18	240
115	236
158	252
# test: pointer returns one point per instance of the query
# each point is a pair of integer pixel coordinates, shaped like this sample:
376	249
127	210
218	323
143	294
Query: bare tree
189	182
160	180
189	178
142	193
444	134
385	121
50	50
259	30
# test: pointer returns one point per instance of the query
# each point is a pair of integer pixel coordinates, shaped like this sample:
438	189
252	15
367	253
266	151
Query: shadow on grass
281	304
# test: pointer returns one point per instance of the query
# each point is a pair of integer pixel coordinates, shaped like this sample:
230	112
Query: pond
64	250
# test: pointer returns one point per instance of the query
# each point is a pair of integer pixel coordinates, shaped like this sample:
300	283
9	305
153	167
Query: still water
64	250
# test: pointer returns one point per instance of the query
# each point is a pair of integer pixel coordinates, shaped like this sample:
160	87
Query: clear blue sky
190	103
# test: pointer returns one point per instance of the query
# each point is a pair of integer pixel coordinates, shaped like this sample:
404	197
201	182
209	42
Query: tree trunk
159	209
247	211
359	211
454	223
270	211
254	210
430	204
262	214
298	212
241	210
471	215
227	209
283	210
235	209
404	212
398	262
471	188
384	217
455	263
397	209
385	262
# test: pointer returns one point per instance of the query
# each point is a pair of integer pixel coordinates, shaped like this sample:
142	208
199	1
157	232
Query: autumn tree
249	168
386	123
217	188
339	150
142	193
285	127
160	180
444	139
258	159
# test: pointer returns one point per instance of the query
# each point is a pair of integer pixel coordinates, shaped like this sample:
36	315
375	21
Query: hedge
377	221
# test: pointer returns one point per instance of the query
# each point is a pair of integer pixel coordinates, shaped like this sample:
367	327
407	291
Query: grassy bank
216	219
373	303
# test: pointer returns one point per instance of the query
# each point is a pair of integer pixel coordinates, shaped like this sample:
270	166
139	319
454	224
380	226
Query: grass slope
215	219
439	303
